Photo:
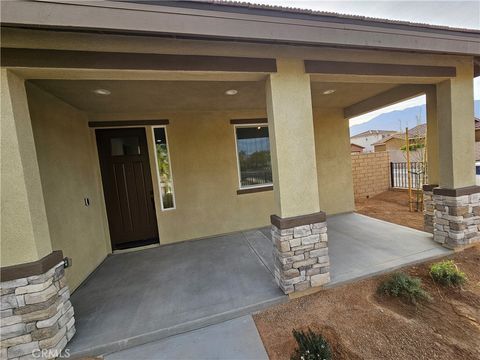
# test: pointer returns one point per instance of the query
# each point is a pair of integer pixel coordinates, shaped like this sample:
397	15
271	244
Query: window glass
125	146
163	168
253	149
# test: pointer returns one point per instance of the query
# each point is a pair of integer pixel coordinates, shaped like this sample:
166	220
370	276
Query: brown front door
127	186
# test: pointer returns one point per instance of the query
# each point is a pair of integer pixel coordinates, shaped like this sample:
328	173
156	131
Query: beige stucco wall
24	229
394	144
334	167
204	167
69	172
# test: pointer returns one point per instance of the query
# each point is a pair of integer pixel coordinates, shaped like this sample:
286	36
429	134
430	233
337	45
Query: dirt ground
391	206
359	324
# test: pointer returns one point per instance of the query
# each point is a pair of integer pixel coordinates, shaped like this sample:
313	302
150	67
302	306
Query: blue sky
463	14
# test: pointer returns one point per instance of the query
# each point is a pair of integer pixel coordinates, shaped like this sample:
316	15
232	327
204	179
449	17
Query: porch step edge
118	345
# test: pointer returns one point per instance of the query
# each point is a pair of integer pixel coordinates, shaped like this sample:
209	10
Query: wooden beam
100	124
249	121
476	67
67	59
376	69
389	97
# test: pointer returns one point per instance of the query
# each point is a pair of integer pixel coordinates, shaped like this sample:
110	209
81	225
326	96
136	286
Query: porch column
457	199
299	231
432	159
36	311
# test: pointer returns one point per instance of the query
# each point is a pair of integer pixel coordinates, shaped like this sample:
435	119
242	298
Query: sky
463	14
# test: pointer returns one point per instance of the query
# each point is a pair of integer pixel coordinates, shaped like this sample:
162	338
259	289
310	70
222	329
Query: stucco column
457	199
432	136
298	226
432	159
36	311
25	235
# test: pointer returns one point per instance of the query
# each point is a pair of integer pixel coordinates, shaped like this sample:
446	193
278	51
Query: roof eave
134	18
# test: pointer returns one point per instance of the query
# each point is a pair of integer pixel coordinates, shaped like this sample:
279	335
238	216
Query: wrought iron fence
256	177
399	174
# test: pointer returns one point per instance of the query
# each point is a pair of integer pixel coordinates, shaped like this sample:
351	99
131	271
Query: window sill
254	189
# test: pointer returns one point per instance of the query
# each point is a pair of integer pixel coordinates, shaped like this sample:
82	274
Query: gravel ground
359	324
391	206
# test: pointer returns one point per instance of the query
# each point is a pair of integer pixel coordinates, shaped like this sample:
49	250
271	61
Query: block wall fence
371	174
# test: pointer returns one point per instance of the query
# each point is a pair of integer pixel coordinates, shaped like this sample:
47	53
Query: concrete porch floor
142	296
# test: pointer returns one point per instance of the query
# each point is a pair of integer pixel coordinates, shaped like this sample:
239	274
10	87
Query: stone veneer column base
457	216
428	208
36	315
300	252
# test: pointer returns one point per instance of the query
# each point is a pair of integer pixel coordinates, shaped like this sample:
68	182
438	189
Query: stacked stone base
428	208
457	220
37	316
301	256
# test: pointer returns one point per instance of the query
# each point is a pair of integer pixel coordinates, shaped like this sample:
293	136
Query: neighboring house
356	149
129	123
367	138
395	142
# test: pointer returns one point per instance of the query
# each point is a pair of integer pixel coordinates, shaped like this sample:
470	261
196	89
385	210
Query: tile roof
373	132
294	10
418	131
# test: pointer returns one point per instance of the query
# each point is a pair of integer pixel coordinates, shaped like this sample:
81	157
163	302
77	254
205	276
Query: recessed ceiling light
329	91
231	92
102	92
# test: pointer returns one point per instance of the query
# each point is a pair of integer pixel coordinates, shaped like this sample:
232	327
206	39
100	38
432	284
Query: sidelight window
164	171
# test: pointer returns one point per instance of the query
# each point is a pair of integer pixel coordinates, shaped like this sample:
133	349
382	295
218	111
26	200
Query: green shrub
446	273
404	286
311	346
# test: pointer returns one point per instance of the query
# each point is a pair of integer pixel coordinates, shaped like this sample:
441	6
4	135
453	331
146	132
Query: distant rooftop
373	132
418	131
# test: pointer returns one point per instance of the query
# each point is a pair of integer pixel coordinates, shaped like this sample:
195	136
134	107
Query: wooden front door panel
127	186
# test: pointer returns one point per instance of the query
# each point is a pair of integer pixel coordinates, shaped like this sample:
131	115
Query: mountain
392	120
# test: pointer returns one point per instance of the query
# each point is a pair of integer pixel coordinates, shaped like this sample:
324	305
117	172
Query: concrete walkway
147	295
236	339
361	246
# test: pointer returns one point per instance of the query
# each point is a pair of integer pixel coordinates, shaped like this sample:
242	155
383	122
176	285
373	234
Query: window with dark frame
253	154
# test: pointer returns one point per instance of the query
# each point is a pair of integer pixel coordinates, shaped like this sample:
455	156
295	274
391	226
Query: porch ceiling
130	96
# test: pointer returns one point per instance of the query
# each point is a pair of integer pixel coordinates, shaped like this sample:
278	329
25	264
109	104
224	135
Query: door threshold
138	248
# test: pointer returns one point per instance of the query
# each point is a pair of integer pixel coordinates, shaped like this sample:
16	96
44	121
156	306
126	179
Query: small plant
447	273
404	286
311	346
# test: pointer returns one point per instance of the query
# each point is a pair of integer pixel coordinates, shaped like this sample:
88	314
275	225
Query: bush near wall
371	174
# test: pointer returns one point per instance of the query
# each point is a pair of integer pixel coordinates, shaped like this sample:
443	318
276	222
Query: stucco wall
69	172
24	230
204	167
334	168
205	177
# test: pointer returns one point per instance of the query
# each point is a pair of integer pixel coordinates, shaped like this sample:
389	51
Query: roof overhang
220	22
